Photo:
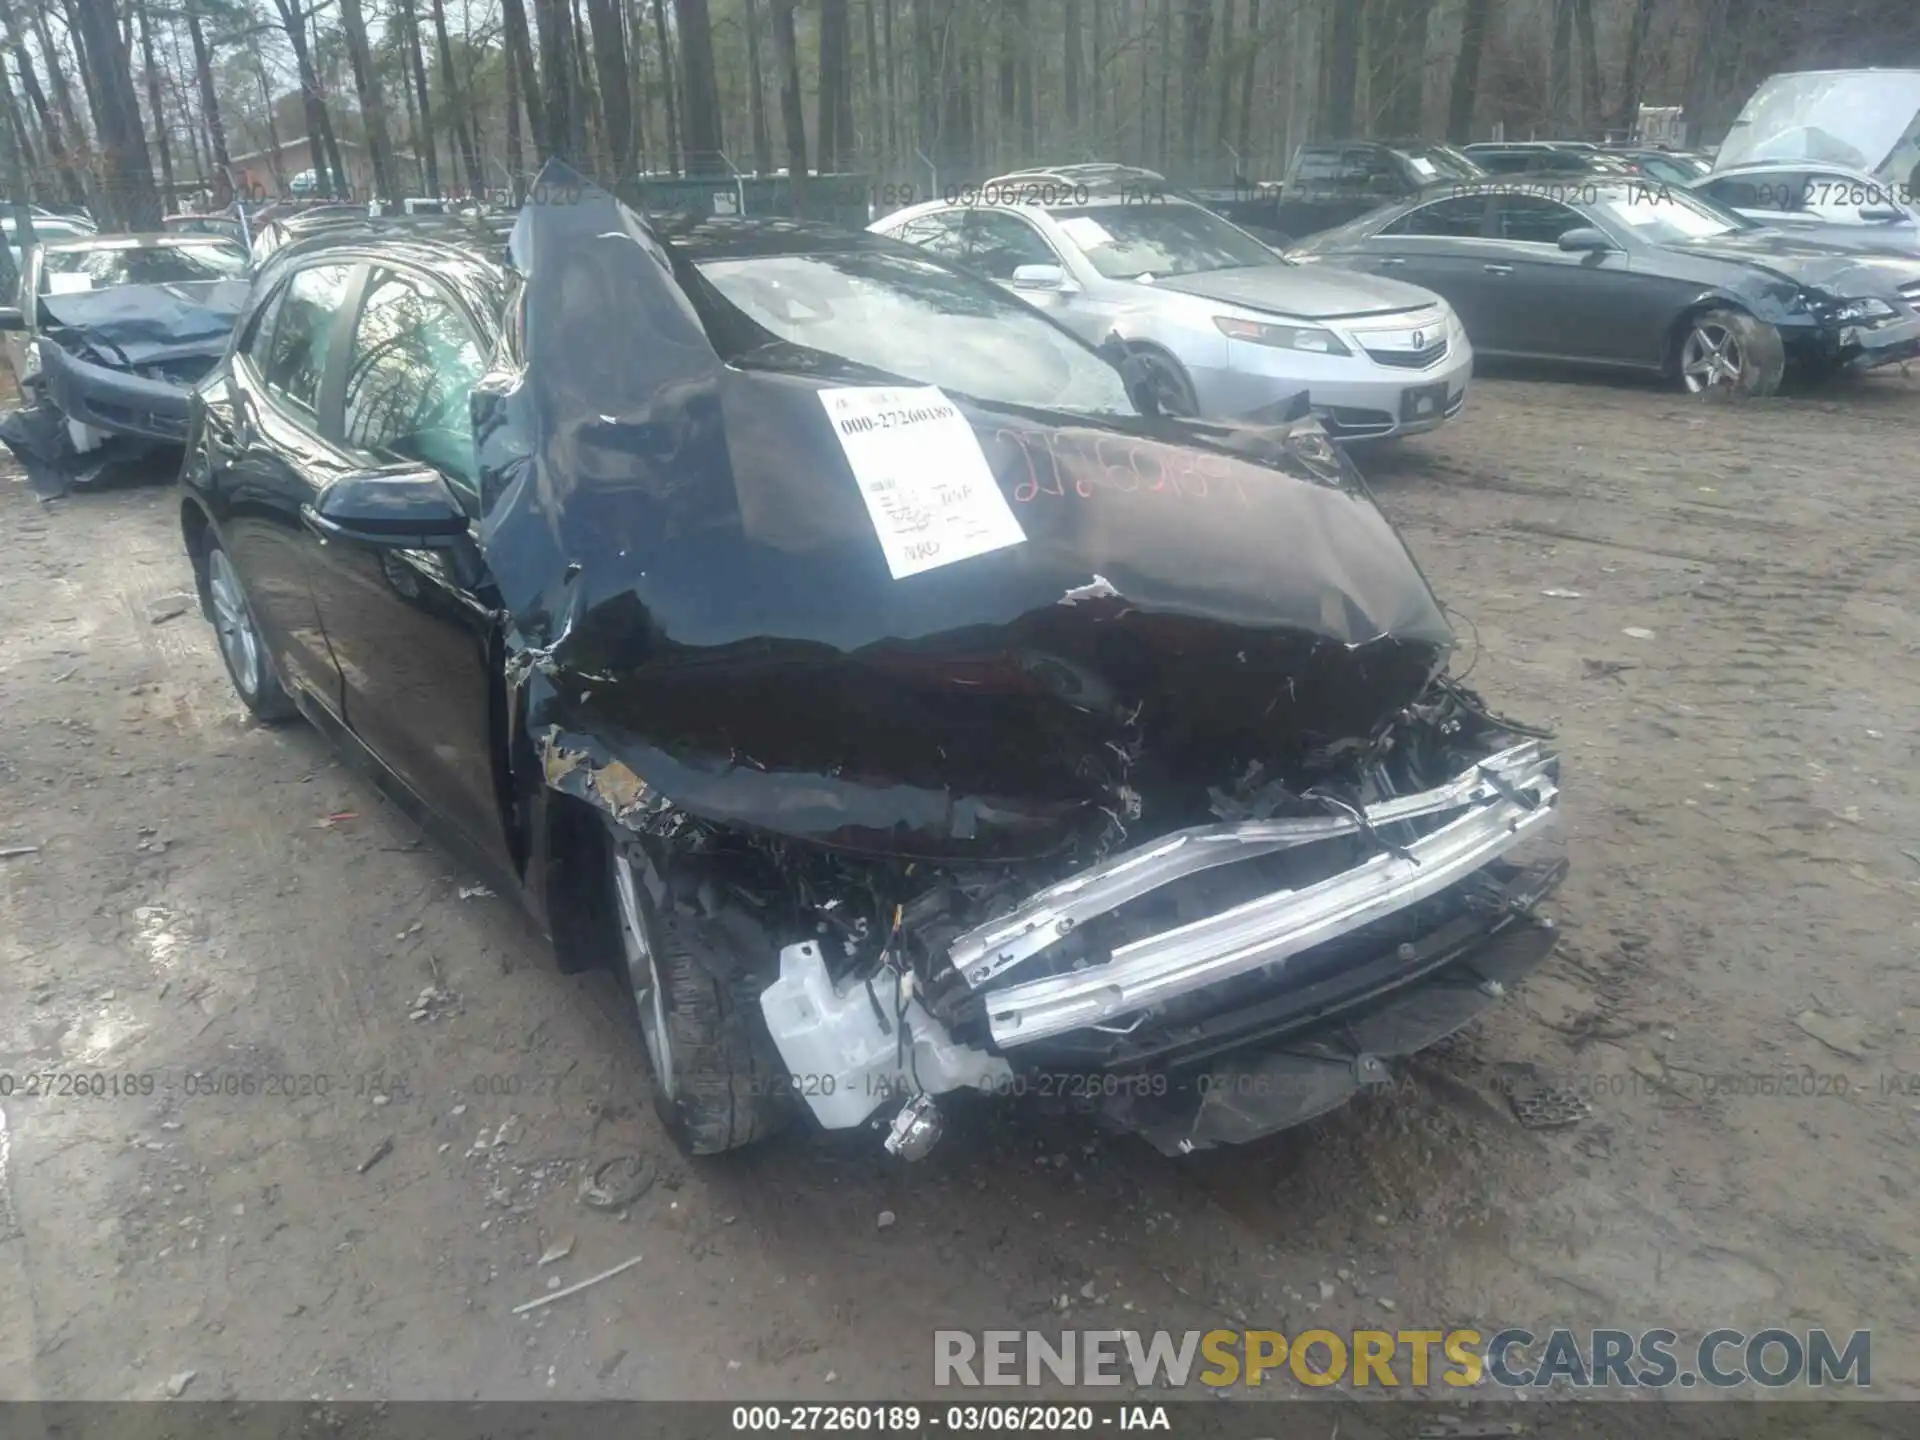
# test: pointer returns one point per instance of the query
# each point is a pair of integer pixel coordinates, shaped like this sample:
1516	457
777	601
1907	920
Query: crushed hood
133	326
1305	292
703	619
1836	269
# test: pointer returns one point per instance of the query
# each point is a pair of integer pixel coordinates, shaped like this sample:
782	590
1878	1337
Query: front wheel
1728	353
718	1083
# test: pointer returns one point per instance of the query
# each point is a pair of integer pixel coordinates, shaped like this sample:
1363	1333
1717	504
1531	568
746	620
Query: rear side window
1534	219
1003	243
1460	217
257	343
943	234
1779	190
303	333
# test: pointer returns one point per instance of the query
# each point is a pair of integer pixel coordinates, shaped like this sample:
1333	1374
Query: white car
1225	326
1816	201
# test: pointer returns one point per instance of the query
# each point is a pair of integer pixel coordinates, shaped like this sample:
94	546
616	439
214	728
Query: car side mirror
1880	214
11	318
404	508
1585	238
1041	277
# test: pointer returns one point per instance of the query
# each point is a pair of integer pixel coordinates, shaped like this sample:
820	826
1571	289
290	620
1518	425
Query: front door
413	631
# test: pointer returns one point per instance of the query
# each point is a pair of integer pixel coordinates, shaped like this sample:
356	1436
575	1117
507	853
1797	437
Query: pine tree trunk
131	203
669	85
153	104
1592	101
757	94
700	89
1627	117
1245	141
516	162
525	80
610	65
457	106
1198	36
1465	94
1343	74
833	83
793	117
56	124
373	106
1560	72
415	61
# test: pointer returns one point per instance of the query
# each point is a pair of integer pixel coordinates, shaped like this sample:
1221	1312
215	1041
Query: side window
1317	166
297	353
942	234
258	343
1460	217
412	365
1371	171
1777	190
1838	198
1002	243
1534	219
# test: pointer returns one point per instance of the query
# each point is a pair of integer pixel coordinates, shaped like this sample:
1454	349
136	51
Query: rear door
413	630
267	458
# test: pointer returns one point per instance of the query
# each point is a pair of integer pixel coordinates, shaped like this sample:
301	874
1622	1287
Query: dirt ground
1714	606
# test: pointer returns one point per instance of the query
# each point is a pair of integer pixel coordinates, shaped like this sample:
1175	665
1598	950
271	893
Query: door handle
1391	261
1498	269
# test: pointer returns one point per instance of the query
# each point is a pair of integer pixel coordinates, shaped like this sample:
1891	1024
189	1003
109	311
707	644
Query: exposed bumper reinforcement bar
1504	799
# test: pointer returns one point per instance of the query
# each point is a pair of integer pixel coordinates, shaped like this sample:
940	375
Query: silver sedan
1226	326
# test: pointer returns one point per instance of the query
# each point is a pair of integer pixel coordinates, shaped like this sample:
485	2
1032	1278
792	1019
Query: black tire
722	1085
227	606
1728	354
1172	390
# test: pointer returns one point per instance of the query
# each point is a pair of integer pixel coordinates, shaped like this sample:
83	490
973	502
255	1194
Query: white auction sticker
920	469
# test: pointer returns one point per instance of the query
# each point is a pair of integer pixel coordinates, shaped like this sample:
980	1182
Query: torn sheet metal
683	539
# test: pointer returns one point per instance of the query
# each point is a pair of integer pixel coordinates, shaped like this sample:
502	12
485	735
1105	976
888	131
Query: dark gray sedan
1634	276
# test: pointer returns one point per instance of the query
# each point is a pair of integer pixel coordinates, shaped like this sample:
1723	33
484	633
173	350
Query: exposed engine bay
1121	974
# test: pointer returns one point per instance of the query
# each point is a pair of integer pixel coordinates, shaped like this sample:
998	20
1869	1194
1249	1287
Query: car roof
420	232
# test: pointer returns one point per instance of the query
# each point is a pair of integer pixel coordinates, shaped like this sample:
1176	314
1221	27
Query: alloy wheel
643	975
1711	359
233	623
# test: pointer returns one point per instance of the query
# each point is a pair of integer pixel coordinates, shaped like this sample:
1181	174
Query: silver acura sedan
1225	325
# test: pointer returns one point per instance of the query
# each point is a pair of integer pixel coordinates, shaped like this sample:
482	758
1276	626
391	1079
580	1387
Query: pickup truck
1333	181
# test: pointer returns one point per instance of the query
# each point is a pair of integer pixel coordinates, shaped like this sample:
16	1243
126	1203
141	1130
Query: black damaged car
822	638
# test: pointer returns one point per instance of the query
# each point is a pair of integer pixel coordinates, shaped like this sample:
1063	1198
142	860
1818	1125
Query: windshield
66	271
912	318
1138	242
1661	216
1439	162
